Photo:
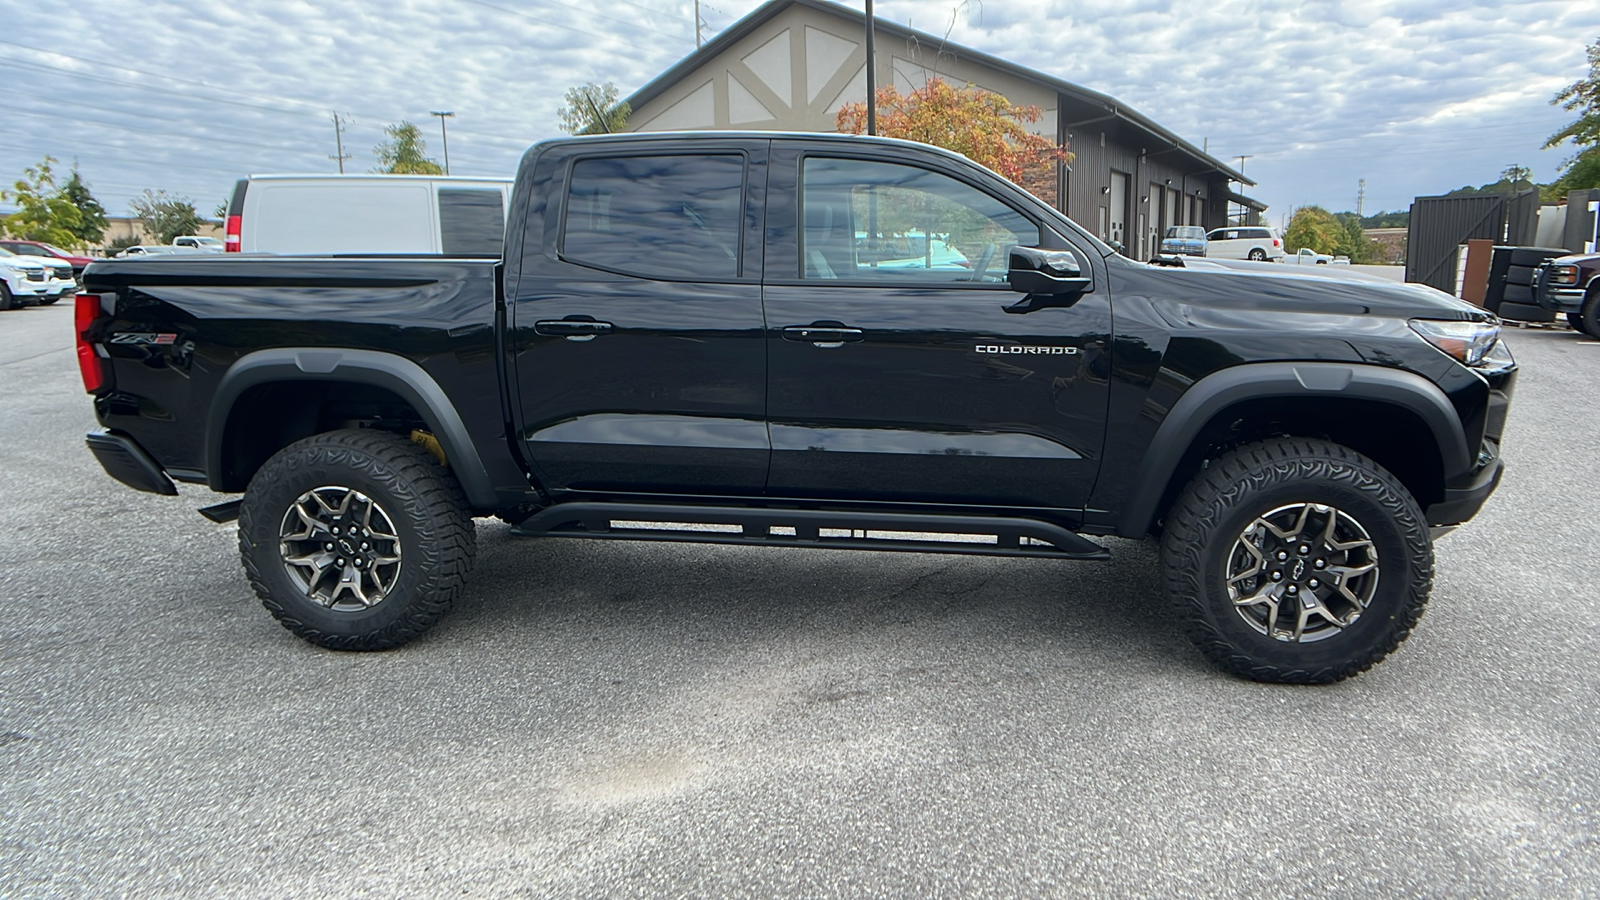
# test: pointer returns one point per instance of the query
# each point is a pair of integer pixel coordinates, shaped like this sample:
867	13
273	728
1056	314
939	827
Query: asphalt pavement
620	720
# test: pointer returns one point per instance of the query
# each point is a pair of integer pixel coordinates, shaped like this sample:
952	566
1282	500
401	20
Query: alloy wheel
1302	572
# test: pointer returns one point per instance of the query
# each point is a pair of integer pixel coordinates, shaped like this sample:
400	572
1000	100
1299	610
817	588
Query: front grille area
63	272
36	276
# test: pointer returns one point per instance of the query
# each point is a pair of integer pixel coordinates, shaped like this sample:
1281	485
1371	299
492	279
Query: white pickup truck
1306	256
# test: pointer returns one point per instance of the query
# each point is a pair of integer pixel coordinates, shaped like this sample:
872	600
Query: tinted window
472	222
656	216
881	220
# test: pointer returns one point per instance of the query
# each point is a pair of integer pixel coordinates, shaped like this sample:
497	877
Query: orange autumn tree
981	125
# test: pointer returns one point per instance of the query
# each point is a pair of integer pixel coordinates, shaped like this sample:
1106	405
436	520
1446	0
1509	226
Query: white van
325	214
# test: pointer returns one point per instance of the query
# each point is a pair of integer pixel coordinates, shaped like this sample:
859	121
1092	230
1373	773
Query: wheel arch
397	375
1362	402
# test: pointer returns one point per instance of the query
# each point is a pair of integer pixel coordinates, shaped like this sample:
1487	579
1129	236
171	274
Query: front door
896	371
639	355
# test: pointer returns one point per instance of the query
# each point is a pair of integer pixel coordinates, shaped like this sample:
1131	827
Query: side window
872	220
1216	235
472	221
674	217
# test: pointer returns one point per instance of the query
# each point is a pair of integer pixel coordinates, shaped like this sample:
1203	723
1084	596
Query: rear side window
471	222
673	217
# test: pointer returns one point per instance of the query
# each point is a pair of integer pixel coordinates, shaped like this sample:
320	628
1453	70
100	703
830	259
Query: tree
165	217
593	109
982	125
1352	241
92	222
1313	227
405	152
43	213
1583	96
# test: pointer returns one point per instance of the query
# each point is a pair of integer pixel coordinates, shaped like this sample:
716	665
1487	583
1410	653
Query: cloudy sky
1416	96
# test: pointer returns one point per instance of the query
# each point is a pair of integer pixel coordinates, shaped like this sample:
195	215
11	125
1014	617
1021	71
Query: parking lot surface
614	719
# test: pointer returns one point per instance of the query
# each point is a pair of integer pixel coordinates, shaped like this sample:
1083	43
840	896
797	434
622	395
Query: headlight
1564	276
1465	342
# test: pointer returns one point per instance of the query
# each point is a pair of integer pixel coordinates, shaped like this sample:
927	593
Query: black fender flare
1252	381
386	370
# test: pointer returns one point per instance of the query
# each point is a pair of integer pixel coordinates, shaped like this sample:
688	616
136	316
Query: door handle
823	335
572	329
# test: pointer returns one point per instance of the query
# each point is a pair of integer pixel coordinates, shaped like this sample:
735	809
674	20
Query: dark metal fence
1440	225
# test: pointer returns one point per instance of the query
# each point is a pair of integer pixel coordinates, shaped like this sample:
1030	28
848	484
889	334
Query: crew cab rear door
902	365
636	327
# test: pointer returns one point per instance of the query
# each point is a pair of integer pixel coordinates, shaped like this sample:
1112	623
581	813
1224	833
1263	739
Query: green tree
405	152
92	222
1352	240
593	109
1314	227
1582	96
43	213
165	217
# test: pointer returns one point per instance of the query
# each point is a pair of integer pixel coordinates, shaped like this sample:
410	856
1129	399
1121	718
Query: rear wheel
1297	560
355	540
1258	254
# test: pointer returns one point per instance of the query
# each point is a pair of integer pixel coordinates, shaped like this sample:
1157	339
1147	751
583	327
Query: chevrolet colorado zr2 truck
807	341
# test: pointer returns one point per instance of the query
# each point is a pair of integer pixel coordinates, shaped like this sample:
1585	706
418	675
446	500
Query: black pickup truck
808	341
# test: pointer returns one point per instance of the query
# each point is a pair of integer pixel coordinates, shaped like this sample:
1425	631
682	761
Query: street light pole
872	77
444	136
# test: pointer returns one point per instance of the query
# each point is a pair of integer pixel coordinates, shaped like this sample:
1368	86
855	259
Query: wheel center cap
1299	569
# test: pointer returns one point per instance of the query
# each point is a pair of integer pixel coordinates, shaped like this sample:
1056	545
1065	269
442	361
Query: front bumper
126	461
1463	498
1561	299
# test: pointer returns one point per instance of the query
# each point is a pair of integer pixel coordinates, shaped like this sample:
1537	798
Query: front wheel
1258	254
1588	318
355	539
1297	560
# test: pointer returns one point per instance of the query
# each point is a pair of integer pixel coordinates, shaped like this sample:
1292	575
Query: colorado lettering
1021	348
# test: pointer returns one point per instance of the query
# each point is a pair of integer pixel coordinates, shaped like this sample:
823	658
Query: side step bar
835	529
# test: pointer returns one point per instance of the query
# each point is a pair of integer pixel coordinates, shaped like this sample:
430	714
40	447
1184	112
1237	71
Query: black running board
834	529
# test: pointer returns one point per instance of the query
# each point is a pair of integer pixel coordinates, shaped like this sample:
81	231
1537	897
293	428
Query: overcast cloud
1417	97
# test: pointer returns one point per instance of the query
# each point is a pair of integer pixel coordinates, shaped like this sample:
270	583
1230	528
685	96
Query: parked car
451	216
640	362
1245	242
198	242
1184	240
33	280
1571	285
47	251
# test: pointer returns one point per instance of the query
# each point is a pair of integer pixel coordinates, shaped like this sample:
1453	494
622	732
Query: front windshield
5	252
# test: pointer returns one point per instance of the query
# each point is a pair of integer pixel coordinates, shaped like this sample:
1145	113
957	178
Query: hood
21	261
1331	288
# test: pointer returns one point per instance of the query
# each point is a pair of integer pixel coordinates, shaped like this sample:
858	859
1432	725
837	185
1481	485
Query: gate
1440	225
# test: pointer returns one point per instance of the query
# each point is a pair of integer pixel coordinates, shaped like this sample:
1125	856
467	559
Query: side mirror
1047	272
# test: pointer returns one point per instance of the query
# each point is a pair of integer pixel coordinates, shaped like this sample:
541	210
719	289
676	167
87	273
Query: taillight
1277	243
95	369
230	240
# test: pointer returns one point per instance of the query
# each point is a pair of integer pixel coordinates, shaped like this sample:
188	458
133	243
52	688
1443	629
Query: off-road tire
1258	254
1230	493
425	505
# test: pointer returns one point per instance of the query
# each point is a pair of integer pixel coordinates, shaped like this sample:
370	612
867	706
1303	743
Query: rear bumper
126	461
1463	498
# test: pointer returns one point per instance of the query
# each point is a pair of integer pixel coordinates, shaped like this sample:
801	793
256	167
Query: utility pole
872	80
1361	198
444	136
1243	215
697	21
338	140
